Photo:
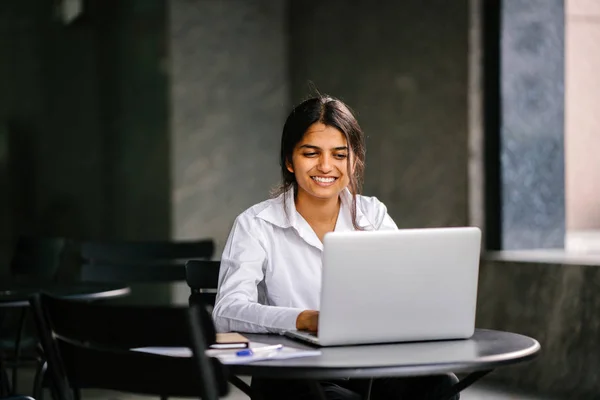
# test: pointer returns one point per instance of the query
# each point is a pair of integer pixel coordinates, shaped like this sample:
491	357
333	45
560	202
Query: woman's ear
289	167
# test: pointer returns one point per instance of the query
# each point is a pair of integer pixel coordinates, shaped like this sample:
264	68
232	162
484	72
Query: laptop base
304	336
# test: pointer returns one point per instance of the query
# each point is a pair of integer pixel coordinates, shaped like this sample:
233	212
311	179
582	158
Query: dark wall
556	304
91	103
402	66
22	108
135	105
85	107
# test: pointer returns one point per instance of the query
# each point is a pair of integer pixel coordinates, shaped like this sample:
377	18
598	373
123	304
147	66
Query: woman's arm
242	269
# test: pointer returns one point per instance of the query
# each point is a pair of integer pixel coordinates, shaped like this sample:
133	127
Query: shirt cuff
287	319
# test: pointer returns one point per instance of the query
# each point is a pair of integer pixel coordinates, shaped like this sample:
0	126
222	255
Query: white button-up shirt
271	265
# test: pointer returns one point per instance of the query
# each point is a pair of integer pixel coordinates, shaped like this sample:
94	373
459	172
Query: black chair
34	259
202	276
87	345
140	261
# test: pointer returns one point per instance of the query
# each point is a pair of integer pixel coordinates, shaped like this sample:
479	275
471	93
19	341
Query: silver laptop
397	286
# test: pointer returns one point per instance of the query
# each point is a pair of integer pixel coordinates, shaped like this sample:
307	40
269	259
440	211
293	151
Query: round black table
479	355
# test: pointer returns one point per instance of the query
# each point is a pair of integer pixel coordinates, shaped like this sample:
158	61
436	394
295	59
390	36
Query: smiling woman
270	275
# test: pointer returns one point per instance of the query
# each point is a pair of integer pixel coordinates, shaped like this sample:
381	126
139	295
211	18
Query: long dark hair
331	112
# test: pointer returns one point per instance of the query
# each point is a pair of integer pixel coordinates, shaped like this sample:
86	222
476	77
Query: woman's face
320	162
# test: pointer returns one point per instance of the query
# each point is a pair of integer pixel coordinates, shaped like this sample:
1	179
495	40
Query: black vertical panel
491	18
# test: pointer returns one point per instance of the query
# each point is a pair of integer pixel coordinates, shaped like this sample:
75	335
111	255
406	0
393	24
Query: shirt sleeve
384	221
242	270
378	214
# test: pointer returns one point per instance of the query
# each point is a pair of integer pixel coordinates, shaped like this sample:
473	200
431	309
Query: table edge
314	372
108	294
119	292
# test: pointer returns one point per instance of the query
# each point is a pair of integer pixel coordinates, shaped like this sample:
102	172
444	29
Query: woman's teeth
323	180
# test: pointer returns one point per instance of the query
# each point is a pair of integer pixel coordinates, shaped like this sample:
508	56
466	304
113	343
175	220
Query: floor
483	390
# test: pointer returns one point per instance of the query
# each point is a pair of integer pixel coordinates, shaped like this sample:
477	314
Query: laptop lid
404	285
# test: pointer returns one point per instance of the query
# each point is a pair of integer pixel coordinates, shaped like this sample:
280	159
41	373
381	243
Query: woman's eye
310	154
341	156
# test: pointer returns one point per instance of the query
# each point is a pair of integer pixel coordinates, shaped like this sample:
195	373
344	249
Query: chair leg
4	386
38	380
18	349
240	384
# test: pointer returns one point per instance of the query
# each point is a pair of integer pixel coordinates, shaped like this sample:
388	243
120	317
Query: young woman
270	276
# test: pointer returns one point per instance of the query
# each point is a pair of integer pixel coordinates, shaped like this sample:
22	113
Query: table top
18	294
485	350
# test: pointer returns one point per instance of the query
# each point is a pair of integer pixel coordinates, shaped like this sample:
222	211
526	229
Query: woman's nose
325	164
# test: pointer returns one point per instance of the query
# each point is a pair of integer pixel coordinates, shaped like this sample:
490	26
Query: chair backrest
144	251
87	346
135	261
132	273
202	276
38	257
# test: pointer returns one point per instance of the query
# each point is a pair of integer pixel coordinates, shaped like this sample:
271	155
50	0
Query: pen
249	352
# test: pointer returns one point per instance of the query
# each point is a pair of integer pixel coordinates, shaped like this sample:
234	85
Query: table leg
317	390
462	384
243	386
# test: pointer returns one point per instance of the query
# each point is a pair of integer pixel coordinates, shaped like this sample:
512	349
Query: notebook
230	340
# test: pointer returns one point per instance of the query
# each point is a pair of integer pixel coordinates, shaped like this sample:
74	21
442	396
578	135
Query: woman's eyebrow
310	146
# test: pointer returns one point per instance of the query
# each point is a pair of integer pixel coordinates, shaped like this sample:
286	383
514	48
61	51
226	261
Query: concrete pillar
228	73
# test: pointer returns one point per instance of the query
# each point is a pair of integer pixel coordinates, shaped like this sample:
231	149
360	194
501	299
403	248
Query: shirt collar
282	213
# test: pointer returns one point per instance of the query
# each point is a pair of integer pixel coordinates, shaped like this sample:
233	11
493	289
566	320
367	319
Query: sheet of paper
166	351
230	357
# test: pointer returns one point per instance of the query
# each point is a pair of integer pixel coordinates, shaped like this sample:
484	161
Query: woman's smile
324	181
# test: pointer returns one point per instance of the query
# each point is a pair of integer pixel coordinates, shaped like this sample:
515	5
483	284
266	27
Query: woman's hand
308	320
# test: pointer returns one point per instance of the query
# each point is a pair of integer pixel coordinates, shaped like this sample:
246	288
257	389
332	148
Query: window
541	90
